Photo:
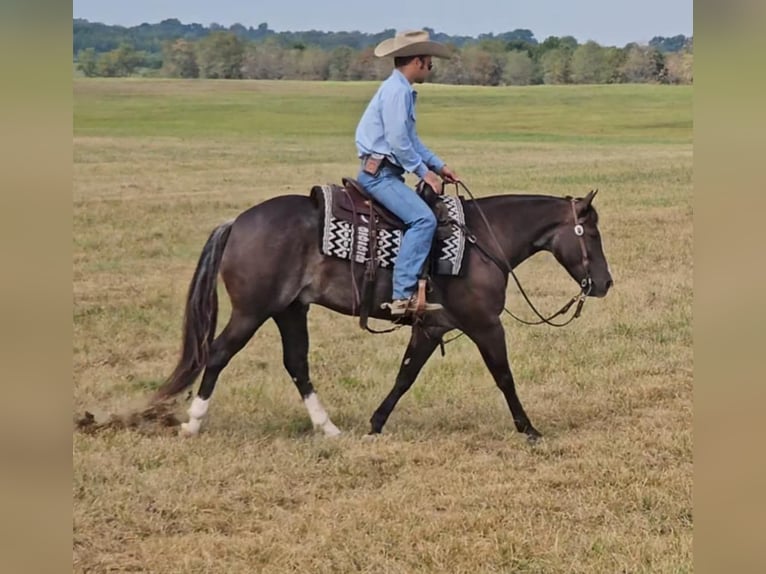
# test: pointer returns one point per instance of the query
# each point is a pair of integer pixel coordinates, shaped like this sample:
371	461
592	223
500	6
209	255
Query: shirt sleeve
430	158
394	112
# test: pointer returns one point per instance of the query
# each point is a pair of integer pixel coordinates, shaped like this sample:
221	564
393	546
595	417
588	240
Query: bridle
579	230
586	284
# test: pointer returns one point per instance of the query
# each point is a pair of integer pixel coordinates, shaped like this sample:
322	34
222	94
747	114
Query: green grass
450	486
570	114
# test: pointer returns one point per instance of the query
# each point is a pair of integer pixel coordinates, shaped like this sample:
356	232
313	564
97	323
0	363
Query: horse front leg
419	349
491	343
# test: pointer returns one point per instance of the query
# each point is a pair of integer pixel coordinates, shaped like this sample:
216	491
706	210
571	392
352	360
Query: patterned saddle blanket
346	235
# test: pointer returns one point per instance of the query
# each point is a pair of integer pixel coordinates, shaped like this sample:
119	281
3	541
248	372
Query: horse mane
532	200
524	197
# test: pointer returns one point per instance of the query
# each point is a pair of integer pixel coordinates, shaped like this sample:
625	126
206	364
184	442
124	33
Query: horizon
609	23
373	32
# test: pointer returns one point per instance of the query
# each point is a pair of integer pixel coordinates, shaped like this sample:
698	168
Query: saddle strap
370	271
421	304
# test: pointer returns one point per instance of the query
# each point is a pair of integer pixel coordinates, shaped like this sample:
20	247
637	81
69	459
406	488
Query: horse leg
293	327
491	344
419	349
235	335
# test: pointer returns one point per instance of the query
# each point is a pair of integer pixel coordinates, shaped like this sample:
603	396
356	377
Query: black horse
272	268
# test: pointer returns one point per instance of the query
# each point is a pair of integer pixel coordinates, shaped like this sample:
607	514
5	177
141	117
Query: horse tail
200	316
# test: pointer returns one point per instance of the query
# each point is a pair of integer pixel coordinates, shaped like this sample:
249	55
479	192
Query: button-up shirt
387	127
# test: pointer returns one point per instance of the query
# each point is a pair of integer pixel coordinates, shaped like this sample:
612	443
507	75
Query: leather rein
502	263
504	266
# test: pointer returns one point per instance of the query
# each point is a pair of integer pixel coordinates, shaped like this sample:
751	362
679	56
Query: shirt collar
401	78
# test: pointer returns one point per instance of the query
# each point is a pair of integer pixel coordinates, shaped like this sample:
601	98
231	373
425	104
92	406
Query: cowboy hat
411	43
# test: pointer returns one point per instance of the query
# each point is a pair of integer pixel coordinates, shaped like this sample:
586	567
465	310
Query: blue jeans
389	189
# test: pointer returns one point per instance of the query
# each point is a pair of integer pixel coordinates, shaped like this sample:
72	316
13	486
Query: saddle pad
339	238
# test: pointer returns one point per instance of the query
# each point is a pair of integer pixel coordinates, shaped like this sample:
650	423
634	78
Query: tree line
172	49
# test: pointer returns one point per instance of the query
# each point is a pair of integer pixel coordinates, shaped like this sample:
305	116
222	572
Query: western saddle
353	204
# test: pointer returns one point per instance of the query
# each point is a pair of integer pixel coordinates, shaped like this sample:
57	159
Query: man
388	146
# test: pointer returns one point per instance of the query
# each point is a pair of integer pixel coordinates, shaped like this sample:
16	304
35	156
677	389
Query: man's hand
449	175
434	181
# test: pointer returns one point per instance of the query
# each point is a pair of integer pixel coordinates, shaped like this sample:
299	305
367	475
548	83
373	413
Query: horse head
576	245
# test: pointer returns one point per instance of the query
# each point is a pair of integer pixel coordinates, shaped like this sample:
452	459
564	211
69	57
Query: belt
384	163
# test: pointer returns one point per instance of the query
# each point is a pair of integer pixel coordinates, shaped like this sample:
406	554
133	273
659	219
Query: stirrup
401	307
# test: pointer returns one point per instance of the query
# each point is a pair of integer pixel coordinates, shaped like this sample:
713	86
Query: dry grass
450	486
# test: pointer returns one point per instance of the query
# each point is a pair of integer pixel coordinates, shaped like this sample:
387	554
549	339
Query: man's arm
433	161
429	158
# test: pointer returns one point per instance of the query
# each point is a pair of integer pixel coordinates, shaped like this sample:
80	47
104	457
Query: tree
239	31
519	69
493	45
179	59
482	67
679	68
614	59
642	64
87	62
589	64
120	62
521	34
550	43
220	55
568	43
305	64
451	71
516	58
673	44
262	32
263	61
315	64
340	58
555	66
521	46
365	66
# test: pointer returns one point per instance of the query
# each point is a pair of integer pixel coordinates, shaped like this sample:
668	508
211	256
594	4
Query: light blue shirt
387	127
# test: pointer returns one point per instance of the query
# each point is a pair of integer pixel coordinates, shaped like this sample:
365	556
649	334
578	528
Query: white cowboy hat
411	43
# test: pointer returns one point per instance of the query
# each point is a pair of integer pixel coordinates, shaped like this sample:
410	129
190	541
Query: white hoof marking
331	430
319	417
197	412
198	408
190	429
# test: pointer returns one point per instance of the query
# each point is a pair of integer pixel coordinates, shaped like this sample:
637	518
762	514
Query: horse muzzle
598	288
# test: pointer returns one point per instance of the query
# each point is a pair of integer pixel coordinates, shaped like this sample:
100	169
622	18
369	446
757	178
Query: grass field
450	486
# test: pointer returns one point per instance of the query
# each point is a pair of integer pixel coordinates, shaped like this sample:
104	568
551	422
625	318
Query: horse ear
583	205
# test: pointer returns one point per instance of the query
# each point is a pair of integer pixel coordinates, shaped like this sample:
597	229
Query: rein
503	265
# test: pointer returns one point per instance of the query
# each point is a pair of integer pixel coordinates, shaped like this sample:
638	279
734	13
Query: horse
272	268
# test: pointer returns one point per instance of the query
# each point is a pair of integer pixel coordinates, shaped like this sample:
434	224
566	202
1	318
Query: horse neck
521	222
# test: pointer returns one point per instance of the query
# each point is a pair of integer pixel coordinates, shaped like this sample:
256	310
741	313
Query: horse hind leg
293	327
234	336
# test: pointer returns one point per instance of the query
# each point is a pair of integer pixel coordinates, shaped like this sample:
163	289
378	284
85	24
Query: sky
608	22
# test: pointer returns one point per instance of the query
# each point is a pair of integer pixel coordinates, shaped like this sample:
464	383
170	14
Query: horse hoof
189	430
331	431
534	438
